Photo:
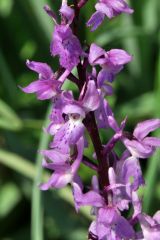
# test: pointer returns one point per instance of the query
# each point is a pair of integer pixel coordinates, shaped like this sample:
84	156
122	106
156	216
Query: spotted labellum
118	177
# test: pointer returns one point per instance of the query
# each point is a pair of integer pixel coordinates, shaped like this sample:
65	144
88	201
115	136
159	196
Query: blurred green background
25	212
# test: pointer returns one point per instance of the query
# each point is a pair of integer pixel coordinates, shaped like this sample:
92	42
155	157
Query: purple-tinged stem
90	124
75	22
81	69
82	3
92	237
73	78
110	145
86	161
89	121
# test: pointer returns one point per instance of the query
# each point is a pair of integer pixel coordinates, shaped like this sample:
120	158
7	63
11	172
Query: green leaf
7	79
143	106
8	118
150	15
17	163
45	22
119	33
5	7
10	196
131	45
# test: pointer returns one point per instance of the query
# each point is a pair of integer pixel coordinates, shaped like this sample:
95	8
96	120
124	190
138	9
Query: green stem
37	210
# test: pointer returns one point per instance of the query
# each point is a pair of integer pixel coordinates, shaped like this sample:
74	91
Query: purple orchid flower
102	114
124	180
112	62
72	129
90	97
109	224
109	8
68	132
56	119
91	198
64	43
46	86
67	12
140	145
115	188
137	205
105	119
150	226
67	46
106	89
129	172
64	173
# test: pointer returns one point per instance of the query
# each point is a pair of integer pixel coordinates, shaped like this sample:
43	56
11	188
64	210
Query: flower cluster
117	179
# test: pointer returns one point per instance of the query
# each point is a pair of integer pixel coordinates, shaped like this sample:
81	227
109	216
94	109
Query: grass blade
7	78
153	170
8	116
17	163
42	18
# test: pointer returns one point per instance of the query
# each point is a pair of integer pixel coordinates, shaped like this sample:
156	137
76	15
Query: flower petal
91	98
138	149
123	229
152	141
120	6
150	229
67	12
131	173
90	198
67	46
95	20
44	89
95	53
57	180
103	76
44	71
118	57
144	128
73	109
103	8
56	156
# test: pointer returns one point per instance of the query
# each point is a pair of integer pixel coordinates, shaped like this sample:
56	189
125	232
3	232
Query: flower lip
67	46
